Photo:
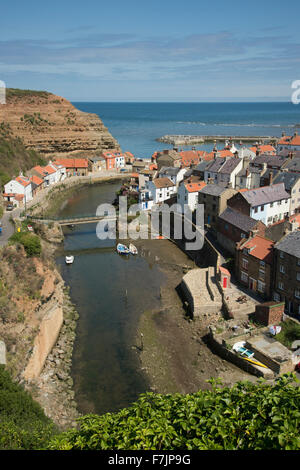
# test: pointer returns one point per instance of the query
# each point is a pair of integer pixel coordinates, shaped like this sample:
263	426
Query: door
224	282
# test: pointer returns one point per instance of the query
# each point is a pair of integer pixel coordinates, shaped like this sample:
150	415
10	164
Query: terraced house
254	264
268	204
287	272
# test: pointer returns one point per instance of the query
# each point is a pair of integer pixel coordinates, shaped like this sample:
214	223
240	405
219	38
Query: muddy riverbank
172	349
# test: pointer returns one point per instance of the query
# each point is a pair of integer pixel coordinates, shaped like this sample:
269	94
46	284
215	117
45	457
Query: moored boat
133	249
123	249
69	259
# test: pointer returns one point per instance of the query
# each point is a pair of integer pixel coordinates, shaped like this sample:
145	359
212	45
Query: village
251	198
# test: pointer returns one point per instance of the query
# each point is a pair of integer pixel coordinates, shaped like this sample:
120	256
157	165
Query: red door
224	282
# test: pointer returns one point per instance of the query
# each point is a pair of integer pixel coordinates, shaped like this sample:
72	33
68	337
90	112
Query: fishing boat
123	249
133	249
69	259
241	350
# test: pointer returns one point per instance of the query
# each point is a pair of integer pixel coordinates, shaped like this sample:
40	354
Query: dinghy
133	249
123	249
69	259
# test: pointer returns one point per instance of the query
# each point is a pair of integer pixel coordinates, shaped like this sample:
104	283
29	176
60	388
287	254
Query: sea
137	125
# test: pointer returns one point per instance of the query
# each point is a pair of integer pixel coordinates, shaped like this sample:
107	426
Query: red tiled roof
49	170
39	170
290	140
36	180
24	182
194	187
263	149
19	197
261	248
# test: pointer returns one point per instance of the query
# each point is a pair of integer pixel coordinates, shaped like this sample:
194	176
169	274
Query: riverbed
132	334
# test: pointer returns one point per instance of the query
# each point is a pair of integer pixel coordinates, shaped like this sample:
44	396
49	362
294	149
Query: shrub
247	416
30	241
23	424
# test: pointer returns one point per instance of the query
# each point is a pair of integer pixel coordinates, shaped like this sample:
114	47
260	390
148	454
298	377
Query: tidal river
110	293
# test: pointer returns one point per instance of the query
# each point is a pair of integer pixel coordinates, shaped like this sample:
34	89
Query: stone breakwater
201	139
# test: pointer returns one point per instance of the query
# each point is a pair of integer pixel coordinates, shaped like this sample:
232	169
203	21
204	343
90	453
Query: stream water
110	292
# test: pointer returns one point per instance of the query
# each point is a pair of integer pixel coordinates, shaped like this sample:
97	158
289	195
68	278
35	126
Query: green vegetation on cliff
246	417
14	157
18	93
23	424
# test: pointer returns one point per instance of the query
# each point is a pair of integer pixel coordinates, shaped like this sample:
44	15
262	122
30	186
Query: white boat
133	249
69	259
122	249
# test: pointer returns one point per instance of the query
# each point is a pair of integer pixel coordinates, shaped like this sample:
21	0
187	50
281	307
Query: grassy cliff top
18	93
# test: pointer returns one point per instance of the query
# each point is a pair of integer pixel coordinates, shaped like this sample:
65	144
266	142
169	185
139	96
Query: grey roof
290	244
293	165
242	221
215	165
286	152
213	189
230	165
268	171
265	194
288	178
96	159
169	170
271	160
202	165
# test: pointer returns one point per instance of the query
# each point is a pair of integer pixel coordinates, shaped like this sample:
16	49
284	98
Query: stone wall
44	342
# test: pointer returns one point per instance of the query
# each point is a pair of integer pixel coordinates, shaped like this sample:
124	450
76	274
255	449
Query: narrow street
7	226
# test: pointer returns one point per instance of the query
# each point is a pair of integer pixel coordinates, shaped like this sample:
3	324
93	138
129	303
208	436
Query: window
298	276
244	276
298	262
262	264
280	285
276	297
261	273
262	208
261	286
245	263
282	269
281	255
255	209
297	294
271	205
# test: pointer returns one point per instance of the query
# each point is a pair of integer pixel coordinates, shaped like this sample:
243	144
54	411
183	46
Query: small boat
123	249
71	226
133	249
241	350
69	259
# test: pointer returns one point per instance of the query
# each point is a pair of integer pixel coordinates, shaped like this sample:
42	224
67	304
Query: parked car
9	207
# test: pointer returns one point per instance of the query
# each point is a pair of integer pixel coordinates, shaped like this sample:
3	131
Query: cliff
52	126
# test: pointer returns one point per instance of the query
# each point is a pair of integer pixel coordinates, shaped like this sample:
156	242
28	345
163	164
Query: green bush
30	241
23	424
246	416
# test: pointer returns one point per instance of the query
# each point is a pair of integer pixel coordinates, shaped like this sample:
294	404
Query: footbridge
74	220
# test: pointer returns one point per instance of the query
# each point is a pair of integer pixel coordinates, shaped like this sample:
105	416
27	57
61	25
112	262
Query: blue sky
152	51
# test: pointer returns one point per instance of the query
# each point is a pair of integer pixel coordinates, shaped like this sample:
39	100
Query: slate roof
169	170
213	189
202	165
265	194
271	160
290	244
215	165
239	220
293	165
230	165
288	178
